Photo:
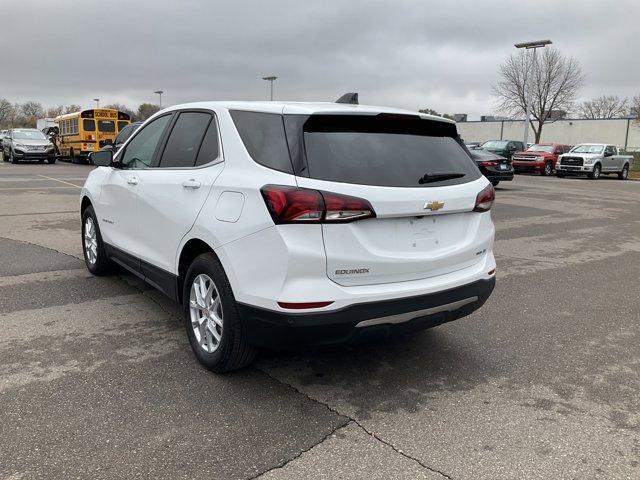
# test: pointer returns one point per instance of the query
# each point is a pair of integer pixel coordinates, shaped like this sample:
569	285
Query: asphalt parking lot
97	379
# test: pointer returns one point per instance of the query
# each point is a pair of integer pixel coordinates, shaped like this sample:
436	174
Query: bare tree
72	108
145	110
552	81
53	112
604	106
5	112
635	107
32	109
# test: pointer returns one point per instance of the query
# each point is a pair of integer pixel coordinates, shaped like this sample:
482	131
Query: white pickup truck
593	160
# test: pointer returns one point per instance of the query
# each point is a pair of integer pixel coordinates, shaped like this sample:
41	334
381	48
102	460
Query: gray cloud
412	54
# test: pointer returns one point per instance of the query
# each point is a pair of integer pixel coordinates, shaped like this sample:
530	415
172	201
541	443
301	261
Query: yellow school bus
88	131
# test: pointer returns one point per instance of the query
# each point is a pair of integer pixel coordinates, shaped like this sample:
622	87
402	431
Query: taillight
488	164
303	205
485	199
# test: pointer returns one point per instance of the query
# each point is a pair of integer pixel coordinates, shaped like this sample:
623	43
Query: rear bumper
362	321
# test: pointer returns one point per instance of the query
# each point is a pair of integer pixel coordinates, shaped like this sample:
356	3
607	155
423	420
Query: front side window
140	150
88	125
106	126
184	141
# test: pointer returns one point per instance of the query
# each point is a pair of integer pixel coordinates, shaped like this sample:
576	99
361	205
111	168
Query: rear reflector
485	199
492	272
288	204
301	306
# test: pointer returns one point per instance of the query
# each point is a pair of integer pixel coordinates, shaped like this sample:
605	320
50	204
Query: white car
294	224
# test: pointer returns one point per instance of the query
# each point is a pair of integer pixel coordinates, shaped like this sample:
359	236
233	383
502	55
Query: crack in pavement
351	420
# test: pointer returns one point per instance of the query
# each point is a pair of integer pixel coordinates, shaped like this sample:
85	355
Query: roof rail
351	97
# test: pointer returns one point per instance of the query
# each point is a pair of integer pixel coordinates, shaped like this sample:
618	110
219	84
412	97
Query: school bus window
106	126
121	125
89	125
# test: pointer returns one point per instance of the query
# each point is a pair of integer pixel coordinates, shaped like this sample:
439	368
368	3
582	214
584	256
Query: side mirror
101	158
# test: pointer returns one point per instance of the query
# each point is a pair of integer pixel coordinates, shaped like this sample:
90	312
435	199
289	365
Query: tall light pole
159	92
270	79
97	100
527	97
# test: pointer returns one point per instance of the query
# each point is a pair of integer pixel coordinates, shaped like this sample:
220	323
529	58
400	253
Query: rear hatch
421	184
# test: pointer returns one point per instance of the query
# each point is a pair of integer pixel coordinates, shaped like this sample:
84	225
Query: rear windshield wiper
436	177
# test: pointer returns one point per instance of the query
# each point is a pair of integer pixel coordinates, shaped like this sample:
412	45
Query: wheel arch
190	250
84	203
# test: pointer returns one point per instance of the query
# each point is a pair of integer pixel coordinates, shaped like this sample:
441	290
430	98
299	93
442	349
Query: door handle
132	180
191	183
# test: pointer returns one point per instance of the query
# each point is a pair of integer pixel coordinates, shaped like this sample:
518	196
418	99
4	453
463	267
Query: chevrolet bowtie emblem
434	205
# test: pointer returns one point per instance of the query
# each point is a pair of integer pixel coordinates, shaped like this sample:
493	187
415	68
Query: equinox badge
434	205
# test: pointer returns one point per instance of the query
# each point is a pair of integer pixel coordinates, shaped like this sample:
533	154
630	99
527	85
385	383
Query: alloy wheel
90	240
205	309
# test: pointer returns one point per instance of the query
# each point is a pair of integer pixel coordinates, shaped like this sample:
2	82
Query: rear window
107	126
88	125
384	150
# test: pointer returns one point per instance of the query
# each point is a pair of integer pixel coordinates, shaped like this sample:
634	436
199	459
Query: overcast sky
405	53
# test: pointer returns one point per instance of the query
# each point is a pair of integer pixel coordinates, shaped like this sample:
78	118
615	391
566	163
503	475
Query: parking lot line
61	181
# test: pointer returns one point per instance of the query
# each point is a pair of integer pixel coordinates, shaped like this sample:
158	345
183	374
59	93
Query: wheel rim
547	169
625	172
596	172
206	313
90	240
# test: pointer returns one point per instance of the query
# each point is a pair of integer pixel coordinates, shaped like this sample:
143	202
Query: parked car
496	168
122	137
541	157
594	159
317	224
24	144
504	148
3	133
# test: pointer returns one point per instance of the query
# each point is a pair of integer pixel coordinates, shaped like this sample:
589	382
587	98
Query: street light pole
527	94
97	100
159	92
270	79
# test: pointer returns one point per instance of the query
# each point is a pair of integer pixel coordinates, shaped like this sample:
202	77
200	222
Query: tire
5	157
72	156
595	175
230	349
547	170
624	174
495	182
12	159
52	160
97	262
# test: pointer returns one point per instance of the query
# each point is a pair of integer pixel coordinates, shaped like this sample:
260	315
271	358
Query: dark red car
540	157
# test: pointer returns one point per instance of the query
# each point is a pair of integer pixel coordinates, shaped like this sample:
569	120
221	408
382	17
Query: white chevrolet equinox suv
294	224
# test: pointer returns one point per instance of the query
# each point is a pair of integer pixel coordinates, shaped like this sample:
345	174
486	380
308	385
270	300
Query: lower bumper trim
362	321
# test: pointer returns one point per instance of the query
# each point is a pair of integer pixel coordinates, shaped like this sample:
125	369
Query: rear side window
385	150
184	141
209	149
264	138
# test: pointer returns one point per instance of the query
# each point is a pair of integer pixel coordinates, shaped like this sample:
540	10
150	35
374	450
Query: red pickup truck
540	157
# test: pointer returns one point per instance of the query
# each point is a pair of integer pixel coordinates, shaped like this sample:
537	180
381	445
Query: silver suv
27	144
